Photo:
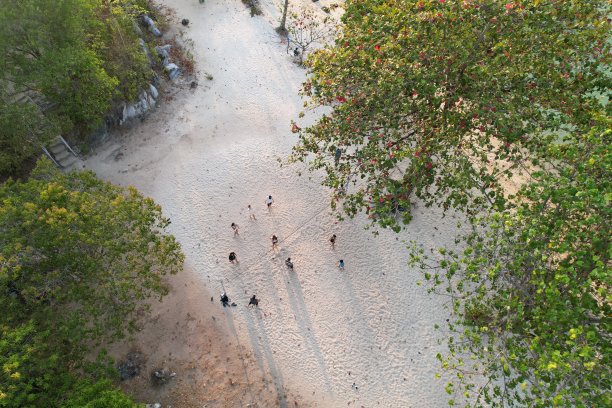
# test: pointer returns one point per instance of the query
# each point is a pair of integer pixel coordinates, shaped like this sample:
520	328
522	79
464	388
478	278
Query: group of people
225	301
288	262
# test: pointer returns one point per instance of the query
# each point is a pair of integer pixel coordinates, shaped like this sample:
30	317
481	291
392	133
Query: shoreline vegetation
69	66
78	255
446	102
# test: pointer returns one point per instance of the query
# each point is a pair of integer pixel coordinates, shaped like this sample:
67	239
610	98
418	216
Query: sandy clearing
214	150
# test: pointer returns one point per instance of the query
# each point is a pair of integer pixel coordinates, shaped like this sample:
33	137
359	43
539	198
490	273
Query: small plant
209	76
253	5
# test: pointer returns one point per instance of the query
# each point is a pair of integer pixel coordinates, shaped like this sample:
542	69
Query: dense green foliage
445	101
101	394
76	56
33	375
439	100
22	131
77	257
531	288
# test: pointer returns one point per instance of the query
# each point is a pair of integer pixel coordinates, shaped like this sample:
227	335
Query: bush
23	129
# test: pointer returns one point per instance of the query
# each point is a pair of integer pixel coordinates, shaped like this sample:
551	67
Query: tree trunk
282	27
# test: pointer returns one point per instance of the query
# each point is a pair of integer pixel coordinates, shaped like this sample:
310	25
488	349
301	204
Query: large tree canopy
442	99
77	258
445	101
531	288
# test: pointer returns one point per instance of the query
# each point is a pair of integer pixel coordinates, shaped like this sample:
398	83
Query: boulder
153	91
151	24
172	70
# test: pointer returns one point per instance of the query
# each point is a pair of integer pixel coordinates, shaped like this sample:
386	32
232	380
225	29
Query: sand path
214	150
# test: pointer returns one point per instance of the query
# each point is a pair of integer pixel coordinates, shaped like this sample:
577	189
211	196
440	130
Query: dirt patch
187	335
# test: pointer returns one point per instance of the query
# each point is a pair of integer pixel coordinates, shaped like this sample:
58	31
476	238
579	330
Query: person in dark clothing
337	155
254	301
224	300
232	257
289	263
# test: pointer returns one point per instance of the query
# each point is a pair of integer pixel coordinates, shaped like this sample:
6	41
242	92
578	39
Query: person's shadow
296	299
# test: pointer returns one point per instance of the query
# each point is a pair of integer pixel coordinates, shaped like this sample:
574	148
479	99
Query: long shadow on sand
356	306
232	329
260	342
261	347
296	299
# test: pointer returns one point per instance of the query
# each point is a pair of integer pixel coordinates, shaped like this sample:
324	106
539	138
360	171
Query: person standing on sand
332	240
289	264
269	202
254	301
251	213
235	227
274	241
233	258
224	300
341	265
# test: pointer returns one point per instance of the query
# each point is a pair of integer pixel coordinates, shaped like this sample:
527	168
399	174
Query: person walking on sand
289	264
274	241
235	227
254	301
251	213
332	240
341	265
233	258
269	202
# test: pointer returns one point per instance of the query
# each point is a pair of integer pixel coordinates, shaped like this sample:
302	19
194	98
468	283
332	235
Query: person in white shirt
251	213
269	202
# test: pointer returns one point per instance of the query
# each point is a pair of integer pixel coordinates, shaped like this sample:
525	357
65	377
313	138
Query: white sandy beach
211	151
